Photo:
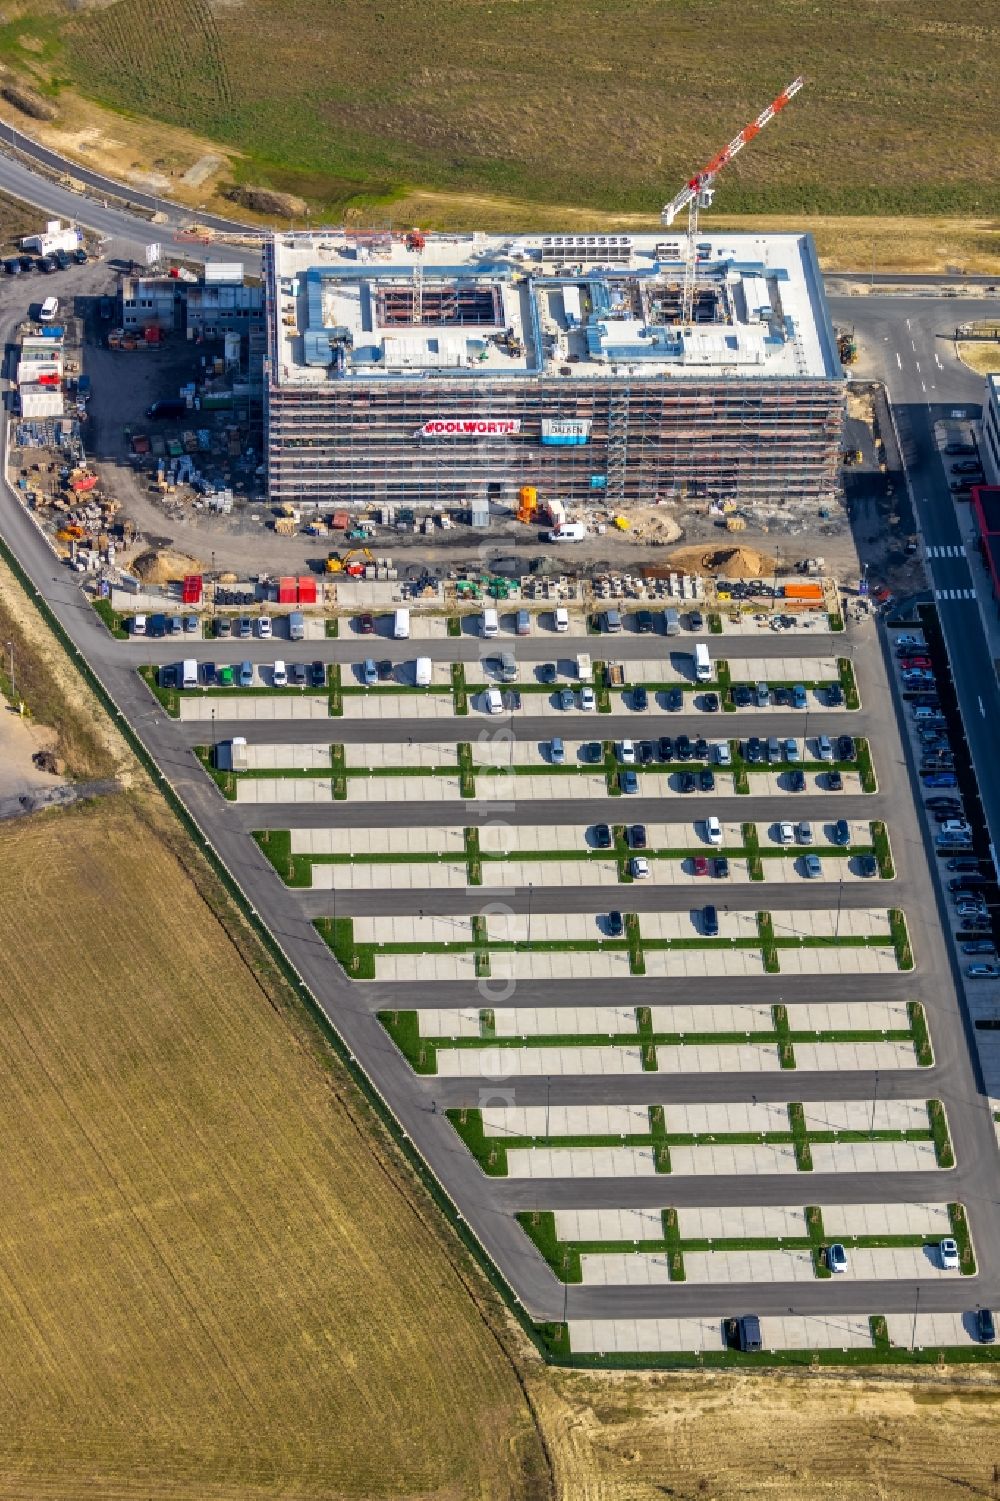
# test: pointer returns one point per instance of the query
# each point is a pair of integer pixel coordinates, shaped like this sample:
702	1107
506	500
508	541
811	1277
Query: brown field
709	1437
213	1282
981	357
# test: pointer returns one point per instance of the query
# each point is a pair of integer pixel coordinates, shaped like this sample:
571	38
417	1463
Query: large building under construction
457	369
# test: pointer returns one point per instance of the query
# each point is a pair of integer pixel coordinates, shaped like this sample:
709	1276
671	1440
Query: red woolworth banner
470	427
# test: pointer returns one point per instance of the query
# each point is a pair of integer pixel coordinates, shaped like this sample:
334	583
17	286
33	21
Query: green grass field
609	105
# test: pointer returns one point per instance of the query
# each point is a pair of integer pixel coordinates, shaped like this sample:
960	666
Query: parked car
298	674
565	698
602	836
209	674
587	699
721	867
246	674
665	749
557	751
742	697
700	749
629	781
615	924
222	626
226	677
812	865
786	833
317	674
723	754
12	266
792	752
846	748
959	447
796	781
640	699
986	1331
834	695
710	703
626	752
710	922
867	866
646	752
967	466
947	805
699	865
980	946
687	781
799	696
675	699
956	826
834	781
366	624
637	836
644	622
592	751
638	867
939	779
836	1257
713	829
683	747
948	1254
841	832
706	779
754	750
970	865
80	256
547	672
804	832
763	694
264	630
967	881
245	628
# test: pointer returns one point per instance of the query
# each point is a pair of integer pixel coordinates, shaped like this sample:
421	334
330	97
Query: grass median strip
943	1149
848	682
900	939
920	1033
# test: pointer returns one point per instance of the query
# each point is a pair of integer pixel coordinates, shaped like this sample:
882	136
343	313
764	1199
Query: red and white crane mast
698	191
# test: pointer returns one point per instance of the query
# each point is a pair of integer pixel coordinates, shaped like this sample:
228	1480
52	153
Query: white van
562	620
423	672
138	625
570	531
48	310
280	675
702	663
401	625
189	673
296	626
713	830
490	624
494	701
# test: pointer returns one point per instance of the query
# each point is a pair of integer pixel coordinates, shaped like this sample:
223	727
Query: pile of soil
267	201
26	100
164	566
724	562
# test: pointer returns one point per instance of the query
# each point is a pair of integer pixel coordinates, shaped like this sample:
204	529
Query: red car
700	864
367	625
909	663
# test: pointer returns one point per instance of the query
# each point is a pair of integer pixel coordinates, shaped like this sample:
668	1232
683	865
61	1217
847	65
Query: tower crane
698	191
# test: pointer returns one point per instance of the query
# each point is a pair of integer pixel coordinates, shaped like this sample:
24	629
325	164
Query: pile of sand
164	566
724	562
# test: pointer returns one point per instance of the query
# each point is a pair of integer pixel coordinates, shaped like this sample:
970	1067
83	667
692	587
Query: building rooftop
369	307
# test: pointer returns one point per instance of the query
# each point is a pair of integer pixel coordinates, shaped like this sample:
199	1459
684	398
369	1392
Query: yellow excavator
344	562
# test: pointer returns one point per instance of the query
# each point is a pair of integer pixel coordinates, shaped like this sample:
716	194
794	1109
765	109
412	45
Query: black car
964	893
644	622
706	779
867	865
209	674
781	696
970	866
168	676
317	674
592	751
701	748
696	621
547	672
62	260
637	836
834	781
602	836
710	922
975	924
615	924
80	256
683	748
26	262
841	832
675	699
979	946
665	748
12	266
640	699
944	804
157	625
966	881
742	696
645	752
846	748
986	1331
754	750
796	781
720	867
298	674
942	815
46	263
834	695
959	448
687	781
385	670
710	701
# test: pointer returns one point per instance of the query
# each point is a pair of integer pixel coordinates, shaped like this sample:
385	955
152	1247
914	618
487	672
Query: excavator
344	562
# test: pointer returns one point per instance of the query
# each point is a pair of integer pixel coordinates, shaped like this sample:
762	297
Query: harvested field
215	1280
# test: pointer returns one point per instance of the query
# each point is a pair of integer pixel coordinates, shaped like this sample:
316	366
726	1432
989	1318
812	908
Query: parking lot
723	902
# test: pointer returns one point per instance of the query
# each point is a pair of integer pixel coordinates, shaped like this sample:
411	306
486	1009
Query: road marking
954	595
899	362
946	550
939	364
923	387
981	709
913	346
917	363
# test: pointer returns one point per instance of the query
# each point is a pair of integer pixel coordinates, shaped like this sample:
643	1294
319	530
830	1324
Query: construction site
603	370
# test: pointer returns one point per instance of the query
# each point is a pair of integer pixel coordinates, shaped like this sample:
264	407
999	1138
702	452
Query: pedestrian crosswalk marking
946	551
954	594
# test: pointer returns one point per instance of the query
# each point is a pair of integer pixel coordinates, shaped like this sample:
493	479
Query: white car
279	675
638	867
626	752
956	826
723	754
587	700
713	830
264	627
494	701
786	833
948	1252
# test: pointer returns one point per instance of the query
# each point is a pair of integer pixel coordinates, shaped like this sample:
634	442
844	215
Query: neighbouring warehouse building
458	368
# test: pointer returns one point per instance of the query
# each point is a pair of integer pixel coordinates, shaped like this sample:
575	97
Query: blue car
939	779
629	781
